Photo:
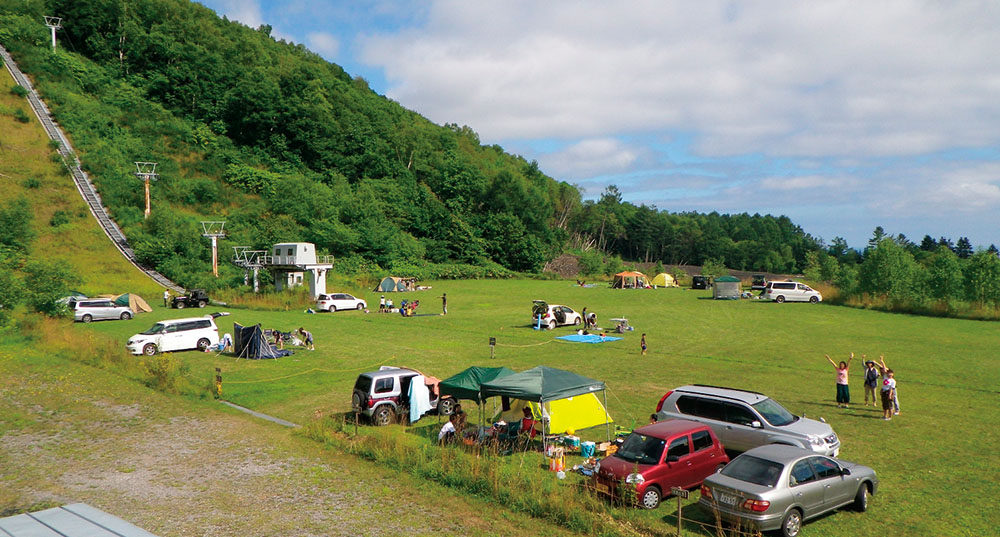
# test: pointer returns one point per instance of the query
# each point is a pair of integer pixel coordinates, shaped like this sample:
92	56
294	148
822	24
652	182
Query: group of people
589	319
521	429
886	388
406	308
305	337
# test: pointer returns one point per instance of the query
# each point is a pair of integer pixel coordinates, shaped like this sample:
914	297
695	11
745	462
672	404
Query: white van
176	335
792	292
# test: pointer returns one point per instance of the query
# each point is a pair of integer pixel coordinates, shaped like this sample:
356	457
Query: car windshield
753	470
641	449
155	329
774	413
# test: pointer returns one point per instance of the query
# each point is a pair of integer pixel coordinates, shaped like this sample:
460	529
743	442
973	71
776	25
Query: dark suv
701	282
385	394
194	297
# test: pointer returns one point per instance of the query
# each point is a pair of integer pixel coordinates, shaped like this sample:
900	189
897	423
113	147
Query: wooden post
493	346
681	494
218	382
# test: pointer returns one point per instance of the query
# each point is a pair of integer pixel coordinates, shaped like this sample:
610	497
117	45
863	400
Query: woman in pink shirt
843	392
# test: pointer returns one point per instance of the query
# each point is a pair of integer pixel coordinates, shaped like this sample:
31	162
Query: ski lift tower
54	23
146	172
214	231
249	260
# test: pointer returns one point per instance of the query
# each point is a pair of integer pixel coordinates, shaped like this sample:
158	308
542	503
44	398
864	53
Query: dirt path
178	468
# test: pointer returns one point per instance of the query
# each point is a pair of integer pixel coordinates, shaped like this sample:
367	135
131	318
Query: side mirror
845	471
673	458
755	424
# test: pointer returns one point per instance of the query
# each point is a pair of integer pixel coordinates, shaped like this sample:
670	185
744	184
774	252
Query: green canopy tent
466	384
543	385
727	287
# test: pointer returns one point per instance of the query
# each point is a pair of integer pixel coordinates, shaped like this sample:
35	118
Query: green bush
45	283
21	115
31	183
59	218
19	90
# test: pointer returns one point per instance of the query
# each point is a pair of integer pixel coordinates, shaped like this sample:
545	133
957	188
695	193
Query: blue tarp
589	338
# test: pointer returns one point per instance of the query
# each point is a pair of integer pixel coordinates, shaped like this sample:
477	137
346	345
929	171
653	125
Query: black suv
194	297
701	282
759	282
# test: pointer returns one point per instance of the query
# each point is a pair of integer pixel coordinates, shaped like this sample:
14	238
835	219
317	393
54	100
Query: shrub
31	183
21	116
45	283
19	90
59	218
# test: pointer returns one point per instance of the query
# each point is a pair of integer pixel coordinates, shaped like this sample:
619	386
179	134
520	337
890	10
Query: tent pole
607	422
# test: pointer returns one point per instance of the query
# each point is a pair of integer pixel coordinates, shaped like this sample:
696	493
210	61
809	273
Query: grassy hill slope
30	167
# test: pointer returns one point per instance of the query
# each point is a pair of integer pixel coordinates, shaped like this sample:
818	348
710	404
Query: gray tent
726	287
394	283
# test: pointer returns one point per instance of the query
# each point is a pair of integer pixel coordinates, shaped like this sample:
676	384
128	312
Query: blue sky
841	115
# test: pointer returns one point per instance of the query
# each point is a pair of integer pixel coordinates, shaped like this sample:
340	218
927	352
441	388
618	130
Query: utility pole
146	172
54	23
214	231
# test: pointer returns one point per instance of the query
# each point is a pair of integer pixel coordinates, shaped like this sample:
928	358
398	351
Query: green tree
11	290
982	278
889	271
713	267
45	282
963	248
944	275
15	224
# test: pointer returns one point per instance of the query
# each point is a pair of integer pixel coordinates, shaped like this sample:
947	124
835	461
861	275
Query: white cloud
784	78
246	11
592	157
324	44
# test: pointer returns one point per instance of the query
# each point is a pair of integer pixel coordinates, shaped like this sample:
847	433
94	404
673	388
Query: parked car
384	394
792	292
339	302
553	315
193	297
758	282
779	487
98	309
176	335
744	420
701	282
654	458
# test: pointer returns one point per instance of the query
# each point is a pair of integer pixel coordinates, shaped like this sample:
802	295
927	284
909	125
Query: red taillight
371	403
756	505
706	492
659	406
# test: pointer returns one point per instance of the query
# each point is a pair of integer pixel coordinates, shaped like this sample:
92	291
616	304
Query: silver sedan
777	487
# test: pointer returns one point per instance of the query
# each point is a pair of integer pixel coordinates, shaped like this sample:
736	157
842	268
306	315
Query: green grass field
937	472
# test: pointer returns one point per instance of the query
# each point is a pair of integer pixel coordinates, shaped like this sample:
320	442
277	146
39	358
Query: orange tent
629	280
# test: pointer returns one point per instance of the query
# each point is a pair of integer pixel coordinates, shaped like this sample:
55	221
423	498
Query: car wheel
203	344
577	322
552	325
149	349
87	318
814	299
126	316
201	303
792	524
361	306
779	299
179	305
332	309
861	499
651	497
383	415
446	406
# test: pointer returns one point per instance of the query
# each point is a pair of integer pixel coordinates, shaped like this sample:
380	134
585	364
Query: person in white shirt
448	431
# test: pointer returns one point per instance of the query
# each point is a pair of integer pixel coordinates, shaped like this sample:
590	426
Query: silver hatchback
778	487
99	309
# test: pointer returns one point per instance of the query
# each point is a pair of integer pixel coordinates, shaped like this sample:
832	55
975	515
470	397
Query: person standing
843	392
642	343
444	303
895	390
888	394
307	338
871	381
381	304
166	298
586	320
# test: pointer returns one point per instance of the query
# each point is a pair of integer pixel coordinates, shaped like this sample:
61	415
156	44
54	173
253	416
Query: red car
654	458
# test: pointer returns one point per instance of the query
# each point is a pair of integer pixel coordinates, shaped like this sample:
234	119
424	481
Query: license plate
603	489
727	499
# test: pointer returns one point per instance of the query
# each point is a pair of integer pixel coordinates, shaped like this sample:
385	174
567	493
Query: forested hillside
285	146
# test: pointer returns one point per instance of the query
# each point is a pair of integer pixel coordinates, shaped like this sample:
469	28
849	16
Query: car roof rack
728	388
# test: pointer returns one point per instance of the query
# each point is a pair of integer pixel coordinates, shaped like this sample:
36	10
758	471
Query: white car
792	292
553	315
176	335
340	301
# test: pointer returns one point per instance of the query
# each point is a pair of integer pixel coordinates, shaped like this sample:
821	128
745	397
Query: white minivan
176	335
792	292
